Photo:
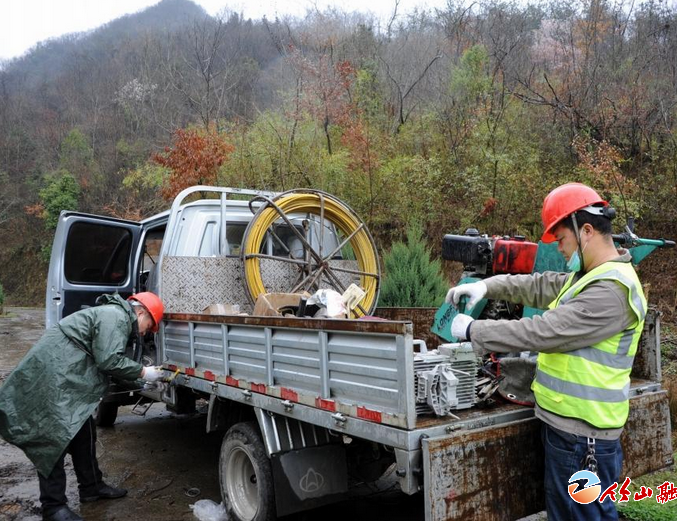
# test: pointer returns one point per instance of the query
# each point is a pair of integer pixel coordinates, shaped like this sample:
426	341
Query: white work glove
459	326
151	374
475	292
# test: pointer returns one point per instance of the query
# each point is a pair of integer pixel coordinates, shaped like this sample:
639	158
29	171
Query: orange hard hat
153	304
562	202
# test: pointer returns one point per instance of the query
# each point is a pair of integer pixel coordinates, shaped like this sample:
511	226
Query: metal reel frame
315	264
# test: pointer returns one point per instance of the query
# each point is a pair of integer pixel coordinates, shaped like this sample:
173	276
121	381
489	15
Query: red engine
514	256
484	255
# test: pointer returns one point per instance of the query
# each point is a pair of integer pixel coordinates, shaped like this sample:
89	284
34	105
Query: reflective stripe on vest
593	383
637	300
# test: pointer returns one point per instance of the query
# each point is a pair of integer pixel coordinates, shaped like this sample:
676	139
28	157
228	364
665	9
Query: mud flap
496	473
309	478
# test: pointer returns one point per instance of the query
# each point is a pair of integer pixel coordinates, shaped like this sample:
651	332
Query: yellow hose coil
335	212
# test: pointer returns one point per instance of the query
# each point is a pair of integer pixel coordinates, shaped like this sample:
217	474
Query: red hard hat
562	202
154	306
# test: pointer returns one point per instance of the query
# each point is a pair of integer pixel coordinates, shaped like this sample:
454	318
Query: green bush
411	279
61	192
649	509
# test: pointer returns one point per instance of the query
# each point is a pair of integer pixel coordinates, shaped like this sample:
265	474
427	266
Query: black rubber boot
63	514
104	492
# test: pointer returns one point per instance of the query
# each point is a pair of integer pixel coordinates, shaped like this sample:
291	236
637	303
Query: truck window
291	241
97	253
234	235
152	245
210	241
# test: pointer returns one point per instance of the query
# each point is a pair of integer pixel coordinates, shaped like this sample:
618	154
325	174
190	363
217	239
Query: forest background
452	118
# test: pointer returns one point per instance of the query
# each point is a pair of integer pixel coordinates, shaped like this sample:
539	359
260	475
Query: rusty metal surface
646	440
481	474
421	318
647	362
485	474
472	414
357	326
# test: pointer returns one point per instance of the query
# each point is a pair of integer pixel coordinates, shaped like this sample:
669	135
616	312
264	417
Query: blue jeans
564	455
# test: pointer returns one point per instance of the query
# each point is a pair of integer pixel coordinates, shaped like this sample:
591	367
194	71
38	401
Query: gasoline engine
452	378
482	257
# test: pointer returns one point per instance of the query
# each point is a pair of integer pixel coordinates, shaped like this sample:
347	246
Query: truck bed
360	368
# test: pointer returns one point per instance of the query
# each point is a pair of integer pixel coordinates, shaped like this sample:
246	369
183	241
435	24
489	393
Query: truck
309	406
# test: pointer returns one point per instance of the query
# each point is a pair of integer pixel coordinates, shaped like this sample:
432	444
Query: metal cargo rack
354	375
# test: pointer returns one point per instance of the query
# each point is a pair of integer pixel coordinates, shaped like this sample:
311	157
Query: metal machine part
445	380
484	255
423	363
437	388
485	389
472	249
464	362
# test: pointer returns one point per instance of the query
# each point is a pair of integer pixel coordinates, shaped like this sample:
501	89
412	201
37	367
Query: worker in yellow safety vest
586	343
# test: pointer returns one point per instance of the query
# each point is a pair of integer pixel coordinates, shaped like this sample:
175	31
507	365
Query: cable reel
312	250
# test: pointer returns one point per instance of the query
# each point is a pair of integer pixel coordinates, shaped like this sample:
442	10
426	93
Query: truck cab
93	255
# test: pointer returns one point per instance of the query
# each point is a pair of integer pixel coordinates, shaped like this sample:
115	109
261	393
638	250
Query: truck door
91	255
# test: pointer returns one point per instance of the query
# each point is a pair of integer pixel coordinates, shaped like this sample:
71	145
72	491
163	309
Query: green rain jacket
48	397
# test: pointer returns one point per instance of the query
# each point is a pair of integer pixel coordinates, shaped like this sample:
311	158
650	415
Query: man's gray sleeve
537	290
598	312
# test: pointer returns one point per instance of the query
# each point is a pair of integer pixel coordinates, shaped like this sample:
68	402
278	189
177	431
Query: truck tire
245	475
105	414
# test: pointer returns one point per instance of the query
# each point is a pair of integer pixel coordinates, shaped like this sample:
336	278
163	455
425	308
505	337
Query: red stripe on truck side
232	381
259	388
288	394
327	405
190	371
368	414
210	376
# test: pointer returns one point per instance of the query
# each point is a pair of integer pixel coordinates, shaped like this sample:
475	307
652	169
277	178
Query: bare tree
407	58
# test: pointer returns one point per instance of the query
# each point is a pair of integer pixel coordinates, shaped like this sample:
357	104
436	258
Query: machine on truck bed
311	405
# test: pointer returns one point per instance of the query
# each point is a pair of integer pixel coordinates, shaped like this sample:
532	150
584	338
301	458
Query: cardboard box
267	304
222	309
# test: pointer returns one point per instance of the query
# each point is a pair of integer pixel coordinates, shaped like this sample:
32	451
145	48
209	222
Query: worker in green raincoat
46	403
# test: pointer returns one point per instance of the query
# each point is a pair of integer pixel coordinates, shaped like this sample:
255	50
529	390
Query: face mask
574	262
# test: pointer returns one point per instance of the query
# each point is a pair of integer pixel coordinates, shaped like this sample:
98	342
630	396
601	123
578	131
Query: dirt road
160	459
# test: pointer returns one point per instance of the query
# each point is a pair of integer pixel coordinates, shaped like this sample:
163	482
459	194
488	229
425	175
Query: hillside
48	59
452	118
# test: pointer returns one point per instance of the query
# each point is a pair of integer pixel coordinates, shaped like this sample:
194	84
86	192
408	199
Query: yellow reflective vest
593	383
